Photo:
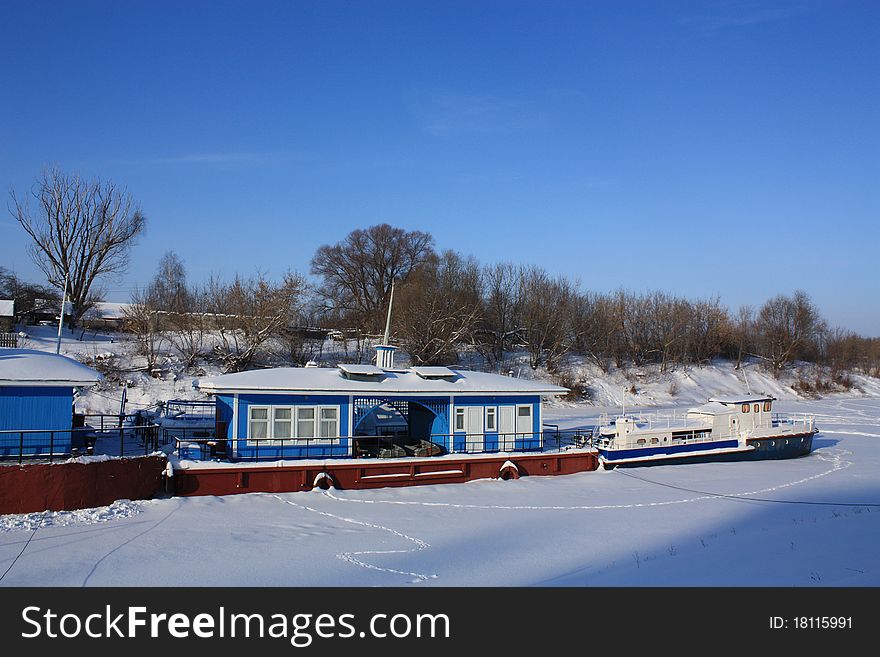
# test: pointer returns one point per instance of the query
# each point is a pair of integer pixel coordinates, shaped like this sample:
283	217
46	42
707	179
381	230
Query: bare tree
500	324
593	328
189	324
743	333
545	317
81	228
632	312
709	330
437	308
358	271
787	326
142	321
305	338
169	285
248	312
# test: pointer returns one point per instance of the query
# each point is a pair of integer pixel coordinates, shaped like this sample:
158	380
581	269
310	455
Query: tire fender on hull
508	471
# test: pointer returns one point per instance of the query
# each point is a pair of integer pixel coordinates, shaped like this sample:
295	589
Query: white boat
724	429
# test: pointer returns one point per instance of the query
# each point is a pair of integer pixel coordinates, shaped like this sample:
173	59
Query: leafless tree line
82	230
449	305
243	314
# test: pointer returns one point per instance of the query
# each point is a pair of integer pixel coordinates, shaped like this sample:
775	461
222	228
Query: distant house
7	315
36	401
45	311
105	315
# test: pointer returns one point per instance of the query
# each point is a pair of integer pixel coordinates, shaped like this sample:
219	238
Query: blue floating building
36	401
371	410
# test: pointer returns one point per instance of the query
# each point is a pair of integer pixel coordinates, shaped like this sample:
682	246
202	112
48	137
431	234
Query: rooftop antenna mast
746	379
388	320
384	351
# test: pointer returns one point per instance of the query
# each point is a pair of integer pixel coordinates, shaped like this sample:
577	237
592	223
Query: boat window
258	424
640	441
305	422
745	408
491	418
282	419
459	419
757	408
524	411
293	422
329	422
766	407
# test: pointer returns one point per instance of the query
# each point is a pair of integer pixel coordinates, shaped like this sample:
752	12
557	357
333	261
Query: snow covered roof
360	370
434	372
7	307
29	367
744	399
712	408
106	310
48	305
332	380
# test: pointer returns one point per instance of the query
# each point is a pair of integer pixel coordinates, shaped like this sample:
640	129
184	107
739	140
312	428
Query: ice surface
813	521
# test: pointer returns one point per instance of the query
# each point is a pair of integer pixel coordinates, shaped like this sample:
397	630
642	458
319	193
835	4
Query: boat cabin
734	414
357	410
36	401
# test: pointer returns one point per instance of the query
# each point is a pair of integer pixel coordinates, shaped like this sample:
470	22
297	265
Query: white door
474	429
506	429
524	427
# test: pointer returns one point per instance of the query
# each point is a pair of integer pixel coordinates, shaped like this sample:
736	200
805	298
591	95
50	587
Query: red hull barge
292	477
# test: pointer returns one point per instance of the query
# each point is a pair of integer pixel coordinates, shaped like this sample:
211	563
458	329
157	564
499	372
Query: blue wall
290	449
440	425
528	442
23	408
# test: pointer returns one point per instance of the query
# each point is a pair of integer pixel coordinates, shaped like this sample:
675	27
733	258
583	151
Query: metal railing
189	445
196	408
112	435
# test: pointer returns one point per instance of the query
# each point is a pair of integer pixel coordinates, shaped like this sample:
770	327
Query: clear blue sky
705	148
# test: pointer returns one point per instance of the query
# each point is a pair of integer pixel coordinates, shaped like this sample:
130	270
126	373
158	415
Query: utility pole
61	316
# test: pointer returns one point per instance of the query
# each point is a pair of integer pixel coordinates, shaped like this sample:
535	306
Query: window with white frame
258	422
305	422
459	419
491	419
282	422
279	423
329	422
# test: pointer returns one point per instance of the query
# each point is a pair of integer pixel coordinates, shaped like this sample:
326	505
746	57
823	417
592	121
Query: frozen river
813	521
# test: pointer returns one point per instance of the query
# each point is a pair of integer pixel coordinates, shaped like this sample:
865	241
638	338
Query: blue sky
705	148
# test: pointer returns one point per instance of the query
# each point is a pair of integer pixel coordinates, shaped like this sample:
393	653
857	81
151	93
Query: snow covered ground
813	521
676	387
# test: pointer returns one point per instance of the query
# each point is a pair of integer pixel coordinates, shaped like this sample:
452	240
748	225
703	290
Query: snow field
707	524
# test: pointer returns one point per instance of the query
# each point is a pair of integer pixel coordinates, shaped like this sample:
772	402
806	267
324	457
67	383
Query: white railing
668	420
795	419
631	441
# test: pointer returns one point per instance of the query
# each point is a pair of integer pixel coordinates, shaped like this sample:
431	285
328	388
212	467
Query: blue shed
365	410
36	401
